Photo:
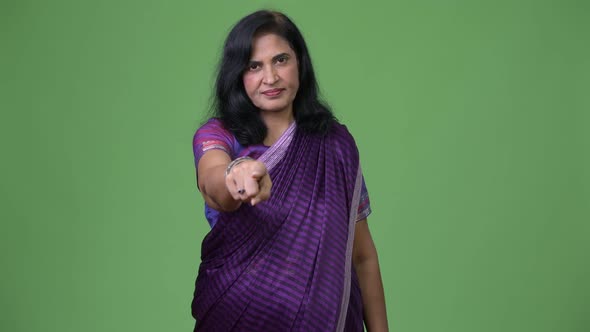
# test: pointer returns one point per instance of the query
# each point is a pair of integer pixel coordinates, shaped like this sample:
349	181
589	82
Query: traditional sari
286	263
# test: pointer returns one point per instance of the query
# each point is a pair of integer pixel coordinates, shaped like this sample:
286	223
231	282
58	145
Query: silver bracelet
236	162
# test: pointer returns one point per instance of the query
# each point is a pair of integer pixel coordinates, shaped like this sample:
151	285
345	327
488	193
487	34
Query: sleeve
364	209
212	135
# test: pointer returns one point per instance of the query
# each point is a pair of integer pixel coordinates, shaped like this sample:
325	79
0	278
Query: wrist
236	162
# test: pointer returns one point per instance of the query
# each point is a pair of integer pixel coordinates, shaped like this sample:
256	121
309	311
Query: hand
249	181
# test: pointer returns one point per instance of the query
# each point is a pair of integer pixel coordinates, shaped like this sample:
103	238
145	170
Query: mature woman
289	248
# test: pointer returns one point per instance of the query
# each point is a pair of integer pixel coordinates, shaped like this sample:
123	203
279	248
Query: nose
270	75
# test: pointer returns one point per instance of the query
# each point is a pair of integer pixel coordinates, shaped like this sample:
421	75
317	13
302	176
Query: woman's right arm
224	193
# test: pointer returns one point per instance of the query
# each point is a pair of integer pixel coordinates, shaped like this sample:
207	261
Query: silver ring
241	191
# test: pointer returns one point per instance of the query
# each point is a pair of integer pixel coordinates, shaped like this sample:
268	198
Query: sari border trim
349	246
271	157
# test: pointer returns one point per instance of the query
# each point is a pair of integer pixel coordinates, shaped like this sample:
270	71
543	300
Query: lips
272	92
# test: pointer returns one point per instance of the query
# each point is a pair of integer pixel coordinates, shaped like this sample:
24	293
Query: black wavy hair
231	103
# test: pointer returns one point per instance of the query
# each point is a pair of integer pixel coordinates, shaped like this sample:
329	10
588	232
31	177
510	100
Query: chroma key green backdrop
472	118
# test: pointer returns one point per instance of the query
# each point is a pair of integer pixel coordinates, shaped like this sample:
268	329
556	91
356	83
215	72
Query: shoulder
213	125
339	134
213	129
214	135
340	137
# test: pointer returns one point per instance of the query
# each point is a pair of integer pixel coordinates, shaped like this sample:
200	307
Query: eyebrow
274	58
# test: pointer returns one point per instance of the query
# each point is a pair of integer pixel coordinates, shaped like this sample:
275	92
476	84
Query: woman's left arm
366	265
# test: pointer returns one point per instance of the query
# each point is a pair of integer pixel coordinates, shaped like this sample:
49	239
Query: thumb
258	174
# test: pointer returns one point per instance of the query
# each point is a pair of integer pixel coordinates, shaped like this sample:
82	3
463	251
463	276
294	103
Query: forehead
268	45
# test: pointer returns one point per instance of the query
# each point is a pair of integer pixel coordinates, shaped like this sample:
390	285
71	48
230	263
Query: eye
253	67
282	59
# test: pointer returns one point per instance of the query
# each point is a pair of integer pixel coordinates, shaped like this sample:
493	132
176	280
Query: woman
289	248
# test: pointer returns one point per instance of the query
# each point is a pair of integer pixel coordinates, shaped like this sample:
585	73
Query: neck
276	123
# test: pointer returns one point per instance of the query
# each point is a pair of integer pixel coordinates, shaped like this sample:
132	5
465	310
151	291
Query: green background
471	118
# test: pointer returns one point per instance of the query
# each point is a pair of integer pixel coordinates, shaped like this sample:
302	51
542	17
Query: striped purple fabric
285	264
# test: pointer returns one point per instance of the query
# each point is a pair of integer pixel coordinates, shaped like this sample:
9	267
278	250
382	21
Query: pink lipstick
272	92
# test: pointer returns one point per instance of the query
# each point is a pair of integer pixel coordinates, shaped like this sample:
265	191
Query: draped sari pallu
286	264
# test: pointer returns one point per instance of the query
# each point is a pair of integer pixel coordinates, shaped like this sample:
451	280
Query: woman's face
272	77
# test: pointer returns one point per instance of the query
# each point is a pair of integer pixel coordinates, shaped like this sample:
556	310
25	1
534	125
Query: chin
273	109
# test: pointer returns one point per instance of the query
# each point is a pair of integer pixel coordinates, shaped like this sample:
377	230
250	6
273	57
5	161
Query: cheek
249	84
294	77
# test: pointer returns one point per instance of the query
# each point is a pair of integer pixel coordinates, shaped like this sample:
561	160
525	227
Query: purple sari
286	264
